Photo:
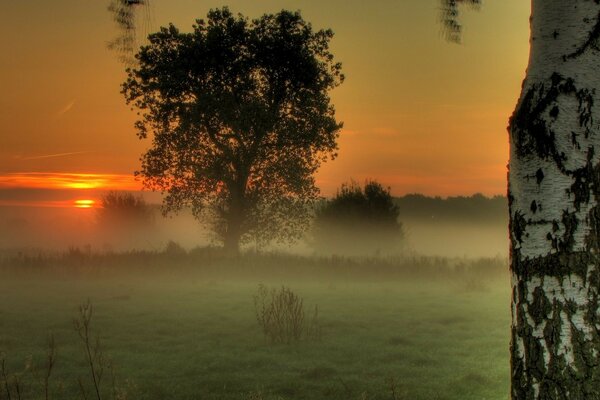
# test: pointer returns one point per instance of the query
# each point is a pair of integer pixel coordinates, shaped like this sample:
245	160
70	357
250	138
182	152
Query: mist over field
169	316
474	226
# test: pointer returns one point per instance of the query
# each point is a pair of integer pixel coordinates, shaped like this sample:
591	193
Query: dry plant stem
83	327
18	387
313	331
113	380
17	384
346	388
82	388
50	361
5	379
393	385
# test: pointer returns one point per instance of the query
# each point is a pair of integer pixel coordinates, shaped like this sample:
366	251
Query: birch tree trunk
554	189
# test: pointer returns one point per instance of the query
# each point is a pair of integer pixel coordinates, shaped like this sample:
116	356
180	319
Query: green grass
194	336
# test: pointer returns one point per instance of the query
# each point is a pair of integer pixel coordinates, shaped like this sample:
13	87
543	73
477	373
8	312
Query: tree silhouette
358	221
241	119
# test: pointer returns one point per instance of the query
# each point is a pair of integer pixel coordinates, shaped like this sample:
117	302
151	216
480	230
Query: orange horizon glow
84	203
42	203
61	180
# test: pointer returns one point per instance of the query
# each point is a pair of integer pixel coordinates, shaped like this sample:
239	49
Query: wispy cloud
72	153
65	109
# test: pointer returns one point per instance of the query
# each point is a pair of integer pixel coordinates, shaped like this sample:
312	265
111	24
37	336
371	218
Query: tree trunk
231	241
554	188
234	219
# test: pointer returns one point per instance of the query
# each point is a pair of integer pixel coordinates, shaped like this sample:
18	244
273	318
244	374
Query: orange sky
420	115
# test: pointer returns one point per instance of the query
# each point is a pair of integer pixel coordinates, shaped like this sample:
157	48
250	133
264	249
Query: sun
82	185
84	203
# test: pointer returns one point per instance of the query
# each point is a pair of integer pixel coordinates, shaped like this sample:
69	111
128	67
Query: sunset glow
50	180
84	203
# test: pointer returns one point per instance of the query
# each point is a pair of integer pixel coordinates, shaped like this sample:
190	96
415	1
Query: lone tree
358	221
554	205
241	119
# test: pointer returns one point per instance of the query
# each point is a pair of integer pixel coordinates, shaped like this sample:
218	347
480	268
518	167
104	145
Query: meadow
182	325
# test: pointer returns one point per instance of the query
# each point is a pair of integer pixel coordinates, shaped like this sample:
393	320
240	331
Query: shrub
123	208
125	219
280	314
358	221
174	249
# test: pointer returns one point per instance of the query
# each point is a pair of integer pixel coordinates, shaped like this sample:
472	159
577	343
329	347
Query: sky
421	115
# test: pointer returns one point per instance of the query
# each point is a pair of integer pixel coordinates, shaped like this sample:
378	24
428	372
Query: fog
56	229
181	319
455	227
457	240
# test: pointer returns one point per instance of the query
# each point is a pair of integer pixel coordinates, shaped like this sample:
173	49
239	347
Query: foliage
124	15
280	314
449	17
241	120
358	221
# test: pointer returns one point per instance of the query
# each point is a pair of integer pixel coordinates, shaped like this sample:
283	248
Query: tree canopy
241	119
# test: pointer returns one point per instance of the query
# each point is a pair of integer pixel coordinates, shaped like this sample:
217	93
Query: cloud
72	153
65	109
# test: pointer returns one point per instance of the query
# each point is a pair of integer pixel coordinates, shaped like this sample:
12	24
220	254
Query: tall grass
258	266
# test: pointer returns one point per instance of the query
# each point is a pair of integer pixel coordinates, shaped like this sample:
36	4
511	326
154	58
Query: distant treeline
461	209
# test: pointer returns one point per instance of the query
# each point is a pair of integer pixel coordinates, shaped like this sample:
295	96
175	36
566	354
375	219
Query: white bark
557	29
554	184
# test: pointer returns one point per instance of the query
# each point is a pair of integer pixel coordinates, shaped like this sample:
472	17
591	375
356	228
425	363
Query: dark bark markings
591	42
533	137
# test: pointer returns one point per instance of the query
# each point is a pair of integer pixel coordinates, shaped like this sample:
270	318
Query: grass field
194	335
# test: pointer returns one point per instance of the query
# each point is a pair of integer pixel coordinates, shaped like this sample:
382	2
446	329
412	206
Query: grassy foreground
193	334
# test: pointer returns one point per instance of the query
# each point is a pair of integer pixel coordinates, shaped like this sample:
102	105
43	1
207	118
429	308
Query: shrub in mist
123	218
358	221
282	318
174	249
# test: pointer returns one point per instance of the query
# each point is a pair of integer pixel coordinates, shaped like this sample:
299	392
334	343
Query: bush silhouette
125	219
358	221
